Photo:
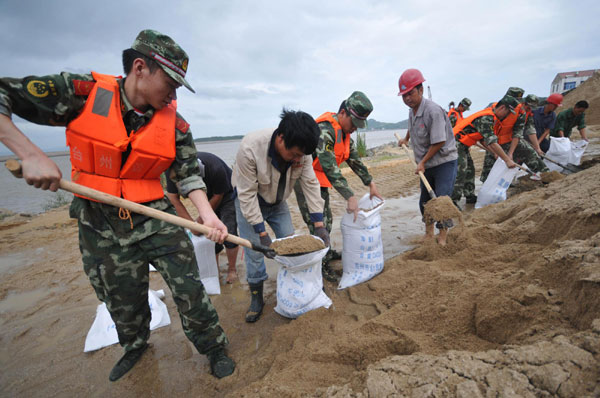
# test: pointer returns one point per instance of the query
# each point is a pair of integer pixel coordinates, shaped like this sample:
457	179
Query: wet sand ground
428	300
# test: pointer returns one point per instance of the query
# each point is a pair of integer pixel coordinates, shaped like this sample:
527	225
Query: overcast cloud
248	59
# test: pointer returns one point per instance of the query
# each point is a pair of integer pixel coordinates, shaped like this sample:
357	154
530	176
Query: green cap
532	100
161	48
515	92
510	101
359	107
466	103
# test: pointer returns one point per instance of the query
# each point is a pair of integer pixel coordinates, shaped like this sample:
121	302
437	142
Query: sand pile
522	272
589	90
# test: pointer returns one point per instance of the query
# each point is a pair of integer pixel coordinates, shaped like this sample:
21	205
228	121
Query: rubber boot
126	362
220	364
256	302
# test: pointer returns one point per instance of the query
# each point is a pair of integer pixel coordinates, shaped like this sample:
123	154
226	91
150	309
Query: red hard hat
555	99
409	79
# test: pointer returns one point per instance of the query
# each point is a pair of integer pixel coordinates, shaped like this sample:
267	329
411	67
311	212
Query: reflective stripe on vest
504	128
341	148
470	138
97	139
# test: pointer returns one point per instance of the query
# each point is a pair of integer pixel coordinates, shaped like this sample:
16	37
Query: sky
249	59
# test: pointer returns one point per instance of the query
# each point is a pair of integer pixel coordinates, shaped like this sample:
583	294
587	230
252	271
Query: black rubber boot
220	364
256	302
126	362
328	273
472	199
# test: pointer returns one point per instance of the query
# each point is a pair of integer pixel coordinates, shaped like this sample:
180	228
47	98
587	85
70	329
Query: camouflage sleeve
326	155
357	166
185	170
529	128
452	118
485	126
519	126
48	100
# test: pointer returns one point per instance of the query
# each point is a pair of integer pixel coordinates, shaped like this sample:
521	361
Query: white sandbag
362	256
104	332
577	150
559	151
494	188
300	284
152	269
207	263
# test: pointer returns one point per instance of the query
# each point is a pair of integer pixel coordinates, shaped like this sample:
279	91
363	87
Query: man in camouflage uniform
116	252
480	128
529	103
328	156
466	169
517	149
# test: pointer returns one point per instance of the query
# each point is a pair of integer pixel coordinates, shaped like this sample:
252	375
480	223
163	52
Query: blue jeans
441	178
279	219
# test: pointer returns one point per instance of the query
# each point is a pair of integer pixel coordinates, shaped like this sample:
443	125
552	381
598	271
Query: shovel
15	168
571	168
425	182
525	169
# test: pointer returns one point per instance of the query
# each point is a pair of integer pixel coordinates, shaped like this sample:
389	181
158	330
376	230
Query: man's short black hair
343	107
299	129
130	55
582	104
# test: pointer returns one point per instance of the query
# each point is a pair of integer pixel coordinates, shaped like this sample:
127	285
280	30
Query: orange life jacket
458	115
341	148
504	128
470	139
97	139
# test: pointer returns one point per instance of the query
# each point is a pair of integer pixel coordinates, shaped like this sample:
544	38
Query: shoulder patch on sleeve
83	87
182	125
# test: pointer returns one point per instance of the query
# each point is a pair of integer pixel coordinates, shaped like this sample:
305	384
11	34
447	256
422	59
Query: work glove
322	233
265	240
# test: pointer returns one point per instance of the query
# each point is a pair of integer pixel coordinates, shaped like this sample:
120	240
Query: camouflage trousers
465	175
524	153
327	217
119	276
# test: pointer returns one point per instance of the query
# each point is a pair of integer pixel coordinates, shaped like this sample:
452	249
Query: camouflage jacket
485	126
55	100
326	156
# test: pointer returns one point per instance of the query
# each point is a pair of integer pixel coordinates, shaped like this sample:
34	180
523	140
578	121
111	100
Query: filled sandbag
104	332
362	255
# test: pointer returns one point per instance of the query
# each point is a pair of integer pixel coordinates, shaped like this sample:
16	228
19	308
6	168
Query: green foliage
361	144
60	199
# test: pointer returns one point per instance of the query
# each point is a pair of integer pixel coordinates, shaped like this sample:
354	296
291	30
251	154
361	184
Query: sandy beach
510	307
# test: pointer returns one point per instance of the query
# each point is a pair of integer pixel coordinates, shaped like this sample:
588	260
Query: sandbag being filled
300	283
362	256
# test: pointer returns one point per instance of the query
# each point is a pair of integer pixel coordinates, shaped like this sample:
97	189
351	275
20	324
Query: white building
566	81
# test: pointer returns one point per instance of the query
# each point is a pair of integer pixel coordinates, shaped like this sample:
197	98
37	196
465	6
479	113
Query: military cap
359	107
515	92
510	101
532	100
161	48
466	103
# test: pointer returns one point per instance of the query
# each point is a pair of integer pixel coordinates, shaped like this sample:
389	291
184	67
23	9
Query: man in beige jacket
267	165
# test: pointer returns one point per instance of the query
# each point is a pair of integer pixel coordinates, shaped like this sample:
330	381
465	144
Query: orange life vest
341	148
97	139
470	139
504	128
458	115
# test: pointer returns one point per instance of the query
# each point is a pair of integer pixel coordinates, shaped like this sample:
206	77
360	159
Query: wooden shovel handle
15	168
490	151
421	175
